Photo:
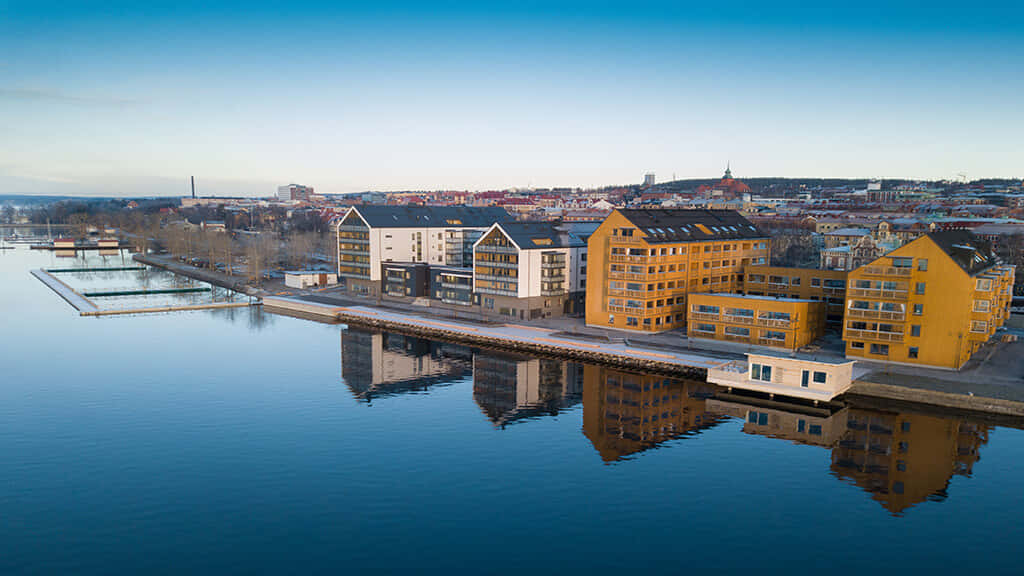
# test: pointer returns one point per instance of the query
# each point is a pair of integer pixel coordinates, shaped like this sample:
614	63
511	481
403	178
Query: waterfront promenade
513	336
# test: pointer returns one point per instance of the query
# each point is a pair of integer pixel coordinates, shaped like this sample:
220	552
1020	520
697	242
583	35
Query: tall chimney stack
193	187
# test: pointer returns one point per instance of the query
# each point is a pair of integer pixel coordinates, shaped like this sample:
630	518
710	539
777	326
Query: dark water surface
239	442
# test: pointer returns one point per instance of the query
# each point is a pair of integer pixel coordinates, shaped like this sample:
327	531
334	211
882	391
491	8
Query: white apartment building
438	235
530	270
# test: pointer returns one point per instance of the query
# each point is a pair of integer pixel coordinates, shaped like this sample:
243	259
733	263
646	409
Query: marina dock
86	307
79	302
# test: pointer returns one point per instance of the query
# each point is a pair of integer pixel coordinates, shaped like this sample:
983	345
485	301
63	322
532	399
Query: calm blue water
240	442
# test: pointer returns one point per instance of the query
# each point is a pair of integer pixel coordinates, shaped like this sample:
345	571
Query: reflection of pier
625	413
900	458
511	387
375	364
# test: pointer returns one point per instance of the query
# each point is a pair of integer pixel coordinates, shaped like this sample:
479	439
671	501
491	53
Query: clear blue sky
130	98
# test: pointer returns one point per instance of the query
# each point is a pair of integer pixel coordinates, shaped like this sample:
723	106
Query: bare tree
300	245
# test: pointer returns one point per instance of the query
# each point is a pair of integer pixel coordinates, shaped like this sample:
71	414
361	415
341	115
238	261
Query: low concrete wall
941	399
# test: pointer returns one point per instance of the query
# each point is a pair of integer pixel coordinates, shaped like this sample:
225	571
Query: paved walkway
510	332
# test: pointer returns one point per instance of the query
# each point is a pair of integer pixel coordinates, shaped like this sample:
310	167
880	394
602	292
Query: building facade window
915	330
919	288
880	349
918	309
759	372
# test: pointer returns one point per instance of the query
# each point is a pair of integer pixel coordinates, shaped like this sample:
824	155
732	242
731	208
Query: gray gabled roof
547	235
970	252
431	216
680	225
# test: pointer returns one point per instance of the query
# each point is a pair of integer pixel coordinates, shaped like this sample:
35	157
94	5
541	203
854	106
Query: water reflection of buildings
375	364
625	413
900	458
510	387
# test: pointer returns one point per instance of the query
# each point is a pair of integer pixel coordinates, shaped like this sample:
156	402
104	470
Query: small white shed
308	278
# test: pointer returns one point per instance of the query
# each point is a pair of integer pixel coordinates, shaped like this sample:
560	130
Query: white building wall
399	245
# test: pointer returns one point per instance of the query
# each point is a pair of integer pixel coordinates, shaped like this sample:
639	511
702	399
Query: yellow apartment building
934	301
789	323
828	286
641	264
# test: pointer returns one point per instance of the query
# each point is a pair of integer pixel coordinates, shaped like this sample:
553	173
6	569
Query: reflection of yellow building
641	264
755	320
904	459
509	387
828	286
625	413
933	301
901	459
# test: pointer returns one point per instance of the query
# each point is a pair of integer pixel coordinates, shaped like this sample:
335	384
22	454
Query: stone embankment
215	278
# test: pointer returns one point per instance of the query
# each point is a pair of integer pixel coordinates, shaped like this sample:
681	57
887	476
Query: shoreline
690	365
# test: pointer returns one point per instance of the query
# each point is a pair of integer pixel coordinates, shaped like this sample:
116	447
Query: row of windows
739	331
795	281
922	263
659	321
883	349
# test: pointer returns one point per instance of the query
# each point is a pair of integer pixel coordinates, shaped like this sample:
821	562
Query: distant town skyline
120	99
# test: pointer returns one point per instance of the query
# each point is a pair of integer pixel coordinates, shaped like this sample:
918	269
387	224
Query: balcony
737	319
873	335
771	341
627	259
353	263
351	228
457	286
497	292
553	292
628	293
626	310
776	322
876	314
354	252
889	271
736	337
626	239
877	293
494	278
354	275
833	291
627	276
497	264
346	239
493	249
706	316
